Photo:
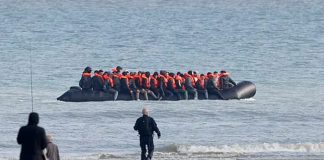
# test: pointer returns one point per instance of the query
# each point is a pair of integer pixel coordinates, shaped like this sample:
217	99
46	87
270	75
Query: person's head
124	73
100	72
87	69
171	74
222	71
155	74
49	138
215	73
147	74
33	118
145	111
119	68
190	72
178	73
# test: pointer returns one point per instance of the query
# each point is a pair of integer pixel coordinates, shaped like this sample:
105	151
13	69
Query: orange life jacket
201	82
147	84
86	74
155	81
110	80
164	79
99	76
172	81
126	78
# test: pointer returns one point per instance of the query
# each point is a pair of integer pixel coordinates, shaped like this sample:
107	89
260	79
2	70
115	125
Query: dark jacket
97	83
32	140
188	84
145	126
124	85
132	84
116	83
226	82
52	152
85	82
211	84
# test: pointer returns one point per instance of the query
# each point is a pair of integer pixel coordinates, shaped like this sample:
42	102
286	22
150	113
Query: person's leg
114	92
150	147
143	148
206	93
152	94
144	92
137	94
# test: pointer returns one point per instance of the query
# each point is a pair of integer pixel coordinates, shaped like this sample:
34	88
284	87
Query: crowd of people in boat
158	85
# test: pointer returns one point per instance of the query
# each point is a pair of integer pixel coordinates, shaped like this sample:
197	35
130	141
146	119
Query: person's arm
230	79
43	139
136	126
19	137
155	128
58	153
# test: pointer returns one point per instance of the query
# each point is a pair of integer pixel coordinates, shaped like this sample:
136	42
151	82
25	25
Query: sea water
278	45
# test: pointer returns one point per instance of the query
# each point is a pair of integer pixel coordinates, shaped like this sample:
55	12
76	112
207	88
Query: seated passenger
116	80
225	82
189	85
162	83
97	82
133	86
175	88
124	85
154	84
201	85
146	85
109	84
212	85
86	81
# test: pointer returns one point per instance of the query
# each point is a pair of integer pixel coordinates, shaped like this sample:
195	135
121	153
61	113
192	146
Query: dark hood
33	118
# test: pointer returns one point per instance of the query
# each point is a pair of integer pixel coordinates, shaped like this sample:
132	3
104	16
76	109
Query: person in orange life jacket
138	79
116	80
135	88
193	82
195	77
172	86
98	82
119	69
201	85
86	81
162	83
180	88
124	85
146	85
138	82
109	84
188	84
212	85
225	82
154	84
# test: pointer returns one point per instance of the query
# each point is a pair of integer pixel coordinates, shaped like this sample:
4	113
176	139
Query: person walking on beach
32	139
146	127
52	152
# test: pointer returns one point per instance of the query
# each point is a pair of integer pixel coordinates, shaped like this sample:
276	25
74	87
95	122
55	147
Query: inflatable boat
242	90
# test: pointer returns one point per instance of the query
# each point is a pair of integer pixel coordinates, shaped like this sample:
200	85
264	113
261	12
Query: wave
253	148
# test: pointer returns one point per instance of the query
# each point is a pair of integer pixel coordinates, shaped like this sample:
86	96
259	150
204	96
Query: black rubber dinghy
242	90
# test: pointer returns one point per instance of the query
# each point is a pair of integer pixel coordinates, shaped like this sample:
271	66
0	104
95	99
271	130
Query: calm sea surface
278	45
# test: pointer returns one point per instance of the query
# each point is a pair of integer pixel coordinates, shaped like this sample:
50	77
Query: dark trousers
146	141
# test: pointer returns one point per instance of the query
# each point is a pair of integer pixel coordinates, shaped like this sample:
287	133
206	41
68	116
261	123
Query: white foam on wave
248	99
255	148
